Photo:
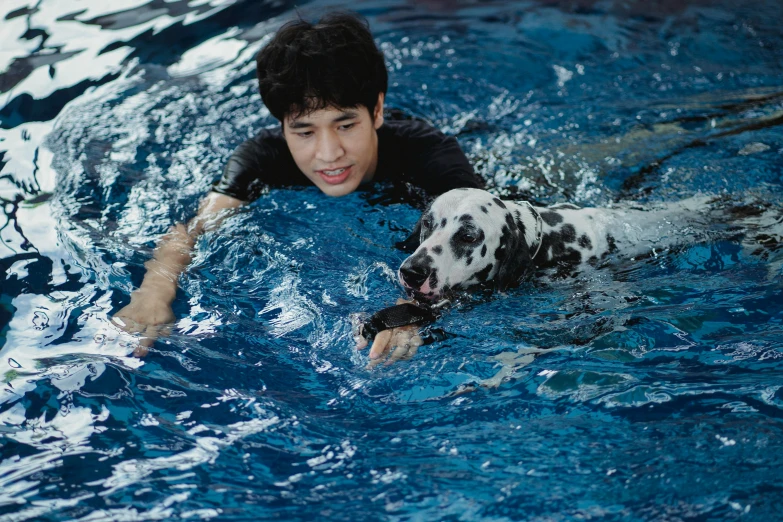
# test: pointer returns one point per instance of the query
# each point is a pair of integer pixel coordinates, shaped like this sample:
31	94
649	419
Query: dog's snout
414	275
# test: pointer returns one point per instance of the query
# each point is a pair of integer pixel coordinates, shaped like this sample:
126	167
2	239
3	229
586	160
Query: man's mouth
335	176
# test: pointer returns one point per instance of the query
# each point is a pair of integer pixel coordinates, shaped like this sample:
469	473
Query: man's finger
140	350
148	337
381	344
127	325
406	352
416	341
164	331
400	352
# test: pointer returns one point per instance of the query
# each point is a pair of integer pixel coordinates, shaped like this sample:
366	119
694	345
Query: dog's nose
414	276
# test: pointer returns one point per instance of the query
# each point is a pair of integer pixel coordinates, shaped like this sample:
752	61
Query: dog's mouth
427	289
433	295
417	295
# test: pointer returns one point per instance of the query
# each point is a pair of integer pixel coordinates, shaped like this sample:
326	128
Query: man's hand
402	343
149	315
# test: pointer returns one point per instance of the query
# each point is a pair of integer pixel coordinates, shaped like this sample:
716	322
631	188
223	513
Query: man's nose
328	148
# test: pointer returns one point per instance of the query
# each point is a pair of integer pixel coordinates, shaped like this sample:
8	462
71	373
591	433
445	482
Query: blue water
644	390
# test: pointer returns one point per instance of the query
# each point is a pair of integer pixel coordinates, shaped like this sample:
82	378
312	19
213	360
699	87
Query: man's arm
150	305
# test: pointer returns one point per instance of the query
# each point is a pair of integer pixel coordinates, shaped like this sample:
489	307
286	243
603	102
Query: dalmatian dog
470	237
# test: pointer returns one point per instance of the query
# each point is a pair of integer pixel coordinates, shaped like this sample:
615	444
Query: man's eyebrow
298	124
345	115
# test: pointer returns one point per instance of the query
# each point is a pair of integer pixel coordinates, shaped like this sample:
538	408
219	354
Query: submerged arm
150	304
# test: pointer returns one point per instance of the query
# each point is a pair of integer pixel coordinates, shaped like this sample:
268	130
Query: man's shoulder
267	145
409	129
266	138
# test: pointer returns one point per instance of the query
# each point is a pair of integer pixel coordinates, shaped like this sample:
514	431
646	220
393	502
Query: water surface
658	394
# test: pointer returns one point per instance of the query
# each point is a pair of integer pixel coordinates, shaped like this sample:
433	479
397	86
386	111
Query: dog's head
469	237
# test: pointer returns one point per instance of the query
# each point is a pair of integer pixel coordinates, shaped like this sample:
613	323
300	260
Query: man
326	83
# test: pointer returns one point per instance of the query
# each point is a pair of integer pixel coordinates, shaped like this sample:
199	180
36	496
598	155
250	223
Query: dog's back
470	236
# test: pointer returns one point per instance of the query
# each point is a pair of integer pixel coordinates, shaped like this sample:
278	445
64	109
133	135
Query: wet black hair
333	63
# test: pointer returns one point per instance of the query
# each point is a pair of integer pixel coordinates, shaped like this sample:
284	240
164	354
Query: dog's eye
468	237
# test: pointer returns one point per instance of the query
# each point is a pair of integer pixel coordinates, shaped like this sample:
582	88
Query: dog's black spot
504	239
585	242
505	243
420	259
469	260
443	222
483	250
437	249
484	209
612	245
465	217
551	217
740	211
568	206
483	274
568	233
767	240
515	221
499	203
560	254
518	220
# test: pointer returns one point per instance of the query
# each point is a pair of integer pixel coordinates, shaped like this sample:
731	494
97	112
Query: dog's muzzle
414	276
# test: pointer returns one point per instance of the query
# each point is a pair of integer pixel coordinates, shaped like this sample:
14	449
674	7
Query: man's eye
347	126
304	134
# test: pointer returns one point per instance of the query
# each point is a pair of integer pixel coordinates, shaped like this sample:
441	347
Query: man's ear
377	113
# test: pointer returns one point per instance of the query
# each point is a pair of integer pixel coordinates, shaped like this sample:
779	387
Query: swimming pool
658	396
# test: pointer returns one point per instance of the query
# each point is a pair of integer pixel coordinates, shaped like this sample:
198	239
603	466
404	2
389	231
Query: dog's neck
533	226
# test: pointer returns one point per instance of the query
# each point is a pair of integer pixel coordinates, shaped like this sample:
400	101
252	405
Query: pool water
647	389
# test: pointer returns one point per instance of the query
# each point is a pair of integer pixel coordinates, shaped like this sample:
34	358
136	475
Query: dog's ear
412	242
513	255
415	239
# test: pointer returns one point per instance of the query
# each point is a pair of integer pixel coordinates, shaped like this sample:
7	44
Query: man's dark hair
308	67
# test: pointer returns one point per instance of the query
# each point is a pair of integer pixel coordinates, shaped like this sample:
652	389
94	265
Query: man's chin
339	190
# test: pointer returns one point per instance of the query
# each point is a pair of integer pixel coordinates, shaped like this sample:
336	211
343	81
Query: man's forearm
170	259
175	250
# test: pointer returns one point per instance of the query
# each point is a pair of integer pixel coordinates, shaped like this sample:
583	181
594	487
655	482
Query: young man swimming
326	84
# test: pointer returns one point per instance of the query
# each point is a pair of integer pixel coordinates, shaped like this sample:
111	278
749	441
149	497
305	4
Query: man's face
337	149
